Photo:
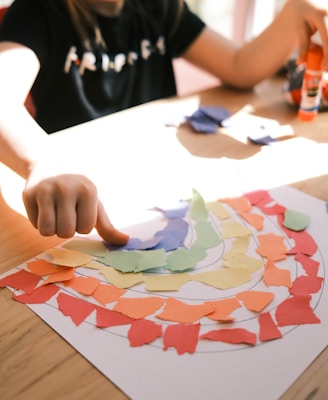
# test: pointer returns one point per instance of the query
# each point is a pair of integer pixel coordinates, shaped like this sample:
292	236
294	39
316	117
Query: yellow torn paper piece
68	258
223	278
92	247
218	209
233	229
120	279
170	282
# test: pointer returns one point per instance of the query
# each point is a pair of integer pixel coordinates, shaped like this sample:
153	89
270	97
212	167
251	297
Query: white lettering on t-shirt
115	62
71	57
132	57
161	45
88	62
120	61
145	49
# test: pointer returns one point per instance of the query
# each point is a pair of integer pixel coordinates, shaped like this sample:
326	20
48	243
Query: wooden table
136	160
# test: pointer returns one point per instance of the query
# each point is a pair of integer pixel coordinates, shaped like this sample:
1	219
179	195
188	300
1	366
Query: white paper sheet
215	370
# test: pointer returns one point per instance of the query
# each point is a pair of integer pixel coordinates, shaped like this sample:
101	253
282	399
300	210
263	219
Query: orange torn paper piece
65	274
216	208
272	247
225	278
232	336
268	328
274	276
233	229
223	308
256	220
43	267
177	311
184	338
120	279
306	285
75	308
168	282
143	331
106	318
83	284
21	280
138	307
68	258
296	310
255	300
39	295
106	293
238	203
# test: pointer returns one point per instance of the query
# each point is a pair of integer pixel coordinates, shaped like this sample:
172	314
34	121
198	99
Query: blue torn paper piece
177	211
202	124
173	235
206	119
218	114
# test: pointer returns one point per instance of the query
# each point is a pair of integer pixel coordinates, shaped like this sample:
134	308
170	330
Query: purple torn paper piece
173	235
177	211
136	244
216	113
202	124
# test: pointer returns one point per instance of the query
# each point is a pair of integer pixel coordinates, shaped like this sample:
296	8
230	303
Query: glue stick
311	86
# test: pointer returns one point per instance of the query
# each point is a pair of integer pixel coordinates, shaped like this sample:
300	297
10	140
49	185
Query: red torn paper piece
296	310
74	307
143	331
232	336
177	311
306	285
38	296
105	294
255	300
184	338
310	266
268	328
261	197
274	276
277	209
304	243
223	308
106	318
255	220
21	280
43	267
138	307
83	284
272	247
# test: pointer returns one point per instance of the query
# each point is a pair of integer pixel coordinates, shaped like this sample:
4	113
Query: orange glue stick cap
314	57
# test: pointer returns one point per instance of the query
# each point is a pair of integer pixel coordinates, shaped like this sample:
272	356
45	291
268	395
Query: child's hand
311	16
64	204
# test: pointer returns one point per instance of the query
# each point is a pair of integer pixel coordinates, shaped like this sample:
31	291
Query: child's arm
261	57
56	201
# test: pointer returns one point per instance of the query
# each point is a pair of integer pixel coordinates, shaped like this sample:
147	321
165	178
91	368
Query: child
82	59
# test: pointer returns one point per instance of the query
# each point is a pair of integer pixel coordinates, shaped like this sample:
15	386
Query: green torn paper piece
295	220
198	210
135	261
180	260
207	237
197	252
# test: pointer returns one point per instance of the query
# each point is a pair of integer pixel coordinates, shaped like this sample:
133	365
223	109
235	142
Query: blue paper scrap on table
206	119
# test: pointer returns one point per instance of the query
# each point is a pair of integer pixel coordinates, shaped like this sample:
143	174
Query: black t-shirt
75	85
